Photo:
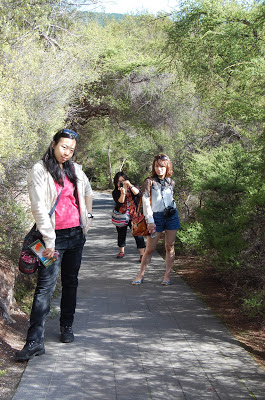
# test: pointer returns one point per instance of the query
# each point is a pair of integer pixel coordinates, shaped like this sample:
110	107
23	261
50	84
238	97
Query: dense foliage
220	46
190	85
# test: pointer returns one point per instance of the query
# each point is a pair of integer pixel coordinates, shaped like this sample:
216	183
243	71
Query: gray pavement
138	343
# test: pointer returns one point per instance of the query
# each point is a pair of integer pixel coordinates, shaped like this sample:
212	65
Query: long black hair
52	164
116	178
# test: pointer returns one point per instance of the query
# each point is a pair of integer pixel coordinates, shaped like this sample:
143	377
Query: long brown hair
164	161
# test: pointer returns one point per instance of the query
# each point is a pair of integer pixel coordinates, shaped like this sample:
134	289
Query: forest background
190	84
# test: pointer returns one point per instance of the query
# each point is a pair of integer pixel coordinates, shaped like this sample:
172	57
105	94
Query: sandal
166	283
138	282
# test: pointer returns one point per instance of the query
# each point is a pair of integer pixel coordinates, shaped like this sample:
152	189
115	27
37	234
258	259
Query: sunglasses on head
69	132
161	157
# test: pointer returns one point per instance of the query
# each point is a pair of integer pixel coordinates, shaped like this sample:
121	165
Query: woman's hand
48	253
151	227
89	224
122	190
127	184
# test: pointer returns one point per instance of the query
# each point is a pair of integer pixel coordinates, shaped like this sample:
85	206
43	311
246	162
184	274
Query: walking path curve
138	343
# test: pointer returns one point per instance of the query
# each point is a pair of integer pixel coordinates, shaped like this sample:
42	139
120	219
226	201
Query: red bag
139	225
28	262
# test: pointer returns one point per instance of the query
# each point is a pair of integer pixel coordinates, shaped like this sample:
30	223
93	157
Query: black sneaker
30	350
67	335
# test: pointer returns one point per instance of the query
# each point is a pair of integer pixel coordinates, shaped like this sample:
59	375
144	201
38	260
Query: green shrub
254	304
227	180
191	237
24	291
12	226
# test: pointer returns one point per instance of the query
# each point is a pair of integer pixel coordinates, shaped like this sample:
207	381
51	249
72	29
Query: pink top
66	212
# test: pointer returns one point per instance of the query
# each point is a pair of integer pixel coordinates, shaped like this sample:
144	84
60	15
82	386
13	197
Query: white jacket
43	195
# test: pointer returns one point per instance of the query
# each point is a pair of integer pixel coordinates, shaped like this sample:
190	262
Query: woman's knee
45	291
46	285
149	251
70	281
170	248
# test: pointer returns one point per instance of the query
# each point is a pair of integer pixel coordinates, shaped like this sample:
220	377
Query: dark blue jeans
69	243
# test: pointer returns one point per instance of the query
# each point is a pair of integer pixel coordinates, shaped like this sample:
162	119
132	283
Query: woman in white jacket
160	214
56	175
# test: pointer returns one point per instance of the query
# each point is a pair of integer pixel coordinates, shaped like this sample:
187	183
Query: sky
133	6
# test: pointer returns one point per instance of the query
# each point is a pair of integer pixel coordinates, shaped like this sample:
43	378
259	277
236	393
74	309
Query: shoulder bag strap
58	198
55	204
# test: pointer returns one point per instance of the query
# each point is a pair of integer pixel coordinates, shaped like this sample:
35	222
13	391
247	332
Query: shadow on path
138	343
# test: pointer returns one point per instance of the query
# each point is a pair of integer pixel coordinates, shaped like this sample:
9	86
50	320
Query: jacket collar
167	180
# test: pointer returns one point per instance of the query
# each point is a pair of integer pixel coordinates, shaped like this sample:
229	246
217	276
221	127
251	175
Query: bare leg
150	248
121	249
141	251
170	237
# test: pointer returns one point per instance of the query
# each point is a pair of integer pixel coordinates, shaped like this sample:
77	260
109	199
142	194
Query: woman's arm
134	189
119	197
89	202
88	199
146	199
87	193
37	188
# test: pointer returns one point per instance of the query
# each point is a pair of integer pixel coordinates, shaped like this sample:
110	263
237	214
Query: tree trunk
124	159
110	170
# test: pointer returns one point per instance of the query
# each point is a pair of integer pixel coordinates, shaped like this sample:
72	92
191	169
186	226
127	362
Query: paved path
138	343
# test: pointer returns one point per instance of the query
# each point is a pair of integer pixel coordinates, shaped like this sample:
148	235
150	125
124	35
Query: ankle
67	335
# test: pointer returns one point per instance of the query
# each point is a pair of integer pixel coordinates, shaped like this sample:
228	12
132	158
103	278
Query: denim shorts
170	223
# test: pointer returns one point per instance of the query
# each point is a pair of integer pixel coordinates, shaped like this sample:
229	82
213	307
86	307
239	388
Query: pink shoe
120	255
